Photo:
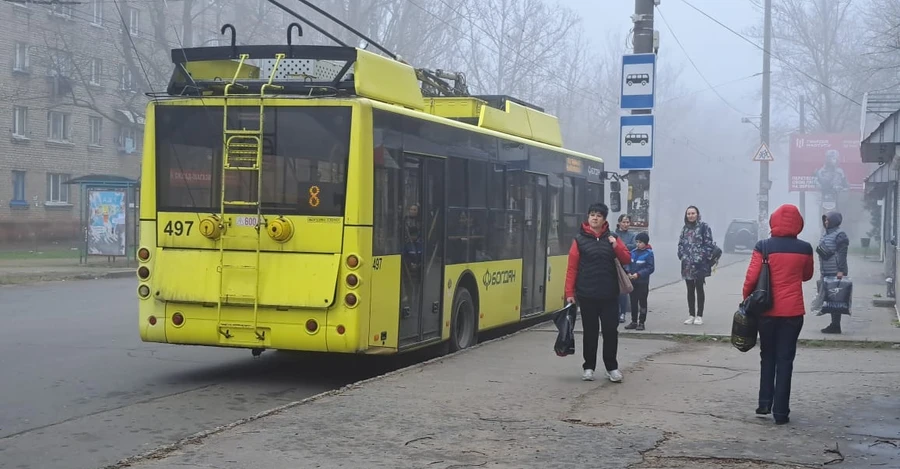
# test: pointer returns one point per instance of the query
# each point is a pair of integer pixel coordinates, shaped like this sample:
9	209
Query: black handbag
760	300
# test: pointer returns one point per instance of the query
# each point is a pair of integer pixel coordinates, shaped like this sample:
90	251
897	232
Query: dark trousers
639	301
695	304
595	313
777	349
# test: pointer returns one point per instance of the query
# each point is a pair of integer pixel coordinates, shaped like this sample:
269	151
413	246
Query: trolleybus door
423	254
534	257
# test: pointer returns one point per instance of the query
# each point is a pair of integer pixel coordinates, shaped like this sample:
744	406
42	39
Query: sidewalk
668	307
512	403
22	271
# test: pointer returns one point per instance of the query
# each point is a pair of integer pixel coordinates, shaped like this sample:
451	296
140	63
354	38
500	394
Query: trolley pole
643	39
764	183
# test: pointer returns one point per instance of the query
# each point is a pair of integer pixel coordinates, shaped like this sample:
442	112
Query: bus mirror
615	201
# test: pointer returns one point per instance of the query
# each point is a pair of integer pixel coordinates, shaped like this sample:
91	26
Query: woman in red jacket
592	280
790	264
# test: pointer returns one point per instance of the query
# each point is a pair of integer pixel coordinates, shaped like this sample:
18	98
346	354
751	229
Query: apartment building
72	105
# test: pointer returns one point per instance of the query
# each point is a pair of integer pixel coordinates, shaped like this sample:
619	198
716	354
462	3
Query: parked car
741	234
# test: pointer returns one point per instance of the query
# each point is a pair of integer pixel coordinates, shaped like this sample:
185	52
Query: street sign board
763	154
636	142
638	81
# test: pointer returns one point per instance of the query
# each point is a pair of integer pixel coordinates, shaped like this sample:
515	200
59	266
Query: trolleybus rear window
305	153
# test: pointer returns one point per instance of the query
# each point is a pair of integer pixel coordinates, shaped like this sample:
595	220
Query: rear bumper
235	327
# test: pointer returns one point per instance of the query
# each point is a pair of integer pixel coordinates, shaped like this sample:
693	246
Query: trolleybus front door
423	253
534	257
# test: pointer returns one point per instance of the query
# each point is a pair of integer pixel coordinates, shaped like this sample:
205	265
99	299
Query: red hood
786	221
604	230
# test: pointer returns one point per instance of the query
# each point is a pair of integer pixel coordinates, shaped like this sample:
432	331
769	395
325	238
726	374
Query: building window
96	71
126	78
134	21
127	139
20	122
21	60
57	191
63	10
18	178
97	12
60	63
58	126
96	128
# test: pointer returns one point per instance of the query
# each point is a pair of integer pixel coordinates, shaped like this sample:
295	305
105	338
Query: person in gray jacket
832	251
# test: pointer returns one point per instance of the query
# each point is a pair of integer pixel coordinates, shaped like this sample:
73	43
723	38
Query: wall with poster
827	163
106	222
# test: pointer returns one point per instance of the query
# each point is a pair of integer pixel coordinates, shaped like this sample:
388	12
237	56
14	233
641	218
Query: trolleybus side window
390	216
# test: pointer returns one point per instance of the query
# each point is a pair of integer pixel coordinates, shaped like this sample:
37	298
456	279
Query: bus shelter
109	216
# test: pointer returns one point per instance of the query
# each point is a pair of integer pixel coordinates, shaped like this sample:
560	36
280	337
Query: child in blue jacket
641	267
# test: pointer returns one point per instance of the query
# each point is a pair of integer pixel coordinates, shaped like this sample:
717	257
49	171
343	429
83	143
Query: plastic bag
816	305
744	329
838	296
565	323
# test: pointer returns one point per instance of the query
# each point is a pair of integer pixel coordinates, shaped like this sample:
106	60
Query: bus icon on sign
632	138
642	78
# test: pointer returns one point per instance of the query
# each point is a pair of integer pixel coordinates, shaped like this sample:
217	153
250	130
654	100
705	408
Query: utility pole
643	41
764	183
803	131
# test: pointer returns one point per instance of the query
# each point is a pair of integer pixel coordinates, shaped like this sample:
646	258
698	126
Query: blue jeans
623	304
777	349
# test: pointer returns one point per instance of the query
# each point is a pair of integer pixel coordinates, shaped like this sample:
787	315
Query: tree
816	54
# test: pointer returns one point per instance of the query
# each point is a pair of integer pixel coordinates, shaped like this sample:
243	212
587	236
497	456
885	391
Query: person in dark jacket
696	251
592	280
790	264
832	251
627	237
642	266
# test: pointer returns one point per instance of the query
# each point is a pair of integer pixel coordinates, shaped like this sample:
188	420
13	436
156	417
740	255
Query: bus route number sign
178	228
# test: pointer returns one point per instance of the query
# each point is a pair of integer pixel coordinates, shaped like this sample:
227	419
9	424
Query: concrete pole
764	124
639	181
803	131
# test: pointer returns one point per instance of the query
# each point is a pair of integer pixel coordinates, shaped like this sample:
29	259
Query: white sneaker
615	376
690	320
588	375
698	321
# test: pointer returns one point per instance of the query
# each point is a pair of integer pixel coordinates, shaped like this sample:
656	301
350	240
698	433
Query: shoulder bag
760	300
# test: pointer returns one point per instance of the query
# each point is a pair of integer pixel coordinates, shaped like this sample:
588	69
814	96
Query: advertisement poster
106	222
826	163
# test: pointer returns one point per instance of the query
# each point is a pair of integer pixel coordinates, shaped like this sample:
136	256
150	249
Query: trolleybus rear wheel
463	327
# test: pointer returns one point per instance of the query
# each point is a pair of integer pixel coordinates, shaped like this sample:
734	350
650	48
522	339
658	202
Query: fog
564	56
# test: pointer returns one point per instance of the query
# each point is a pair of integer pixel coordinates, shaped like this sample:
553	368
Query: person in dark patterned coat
696	251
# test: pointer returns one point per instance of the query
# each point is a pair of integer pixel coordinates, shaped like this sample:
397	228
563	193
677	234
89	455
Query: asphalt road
80	390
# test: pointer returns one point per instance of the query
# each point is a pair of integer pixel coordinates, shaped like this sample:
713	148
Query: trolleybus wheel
463	327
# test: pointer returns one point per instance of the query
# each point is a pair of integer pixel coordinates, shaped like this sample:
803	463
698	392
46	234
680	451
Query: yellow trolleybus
313	198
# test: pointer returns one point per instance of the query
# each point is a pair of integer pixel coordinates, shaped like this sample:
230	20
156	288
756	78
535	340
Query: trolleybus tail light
143	272
312	325
352	280
178	319
152	320
144	254
144	291
341	329
350	299
352	261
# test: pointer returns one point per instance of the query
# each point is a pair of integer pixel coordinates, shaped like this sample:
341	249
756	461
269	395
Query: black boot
835	326
642	319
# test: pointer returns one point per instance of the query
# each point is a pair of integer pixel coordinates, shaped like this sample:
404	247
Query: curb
27	279
726	339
